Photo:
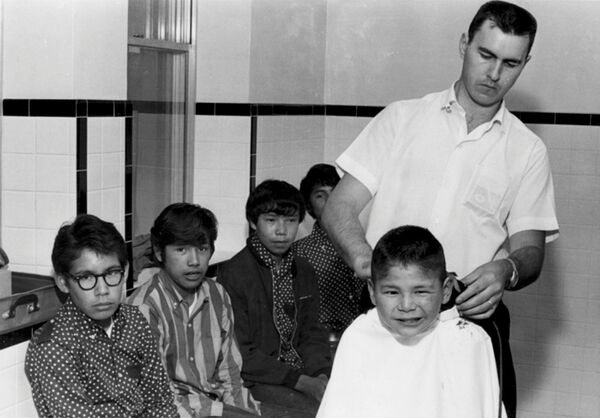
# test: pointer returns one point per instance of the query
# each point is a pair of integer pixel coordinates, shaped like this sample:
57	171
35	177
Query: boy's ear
252	225
447	288
61	283
125	273
371	287
157	253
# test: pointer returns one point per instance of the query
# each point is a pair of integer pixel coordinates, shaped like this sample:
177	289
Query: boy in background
339	288
96	357
192	317
404	358
276	303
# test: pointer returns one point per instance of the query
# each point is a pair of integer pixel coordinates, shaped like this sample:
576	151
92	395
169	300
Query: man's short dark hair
317	176
275	196
408	245
184	224
508	17
86	232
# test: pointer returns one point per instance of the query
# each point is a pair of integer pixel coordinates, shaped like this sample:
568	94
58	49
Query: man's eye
180	249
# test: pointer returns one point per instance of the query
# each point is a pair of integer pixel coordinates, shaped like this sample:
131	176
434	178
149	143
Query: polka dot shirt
339	289
76	370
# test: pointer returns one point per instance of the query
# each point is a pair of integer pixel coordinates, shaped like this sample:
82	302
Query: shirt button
479	198
189	325
192	358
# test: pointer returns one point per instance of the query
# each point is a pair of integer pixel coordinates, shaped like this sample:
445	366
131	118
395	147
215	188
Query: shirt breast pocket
486	192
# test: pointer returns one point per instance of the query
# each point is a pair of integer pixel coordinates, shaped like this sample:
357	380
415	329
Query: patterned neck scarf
284	306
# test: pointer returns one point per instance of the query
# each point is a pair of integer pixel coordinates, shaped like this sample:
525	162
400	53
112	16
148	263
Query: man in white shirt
459	163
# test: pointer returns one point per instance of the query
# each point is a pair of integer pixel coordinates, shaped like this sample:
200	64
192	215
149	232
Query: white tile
26	409
112	204
18	172
23	388
8	357
94	135
18	209
44	241
38	49
94	202
205	184
233	156
233	184
113	170
55	135
19	243
94	172
113	135
206	156
100	41
8	388
53	209
53	173
18	135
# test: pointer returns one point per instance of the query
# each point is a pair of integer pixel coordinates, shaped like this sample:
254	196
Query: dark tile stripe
573	119
15	107
253	147
55	108
81	150
82	191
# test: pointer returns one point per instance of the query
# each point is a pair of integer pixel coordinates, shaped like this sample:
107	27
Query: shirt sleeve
230	365
365	158
154	383
534	206
55	382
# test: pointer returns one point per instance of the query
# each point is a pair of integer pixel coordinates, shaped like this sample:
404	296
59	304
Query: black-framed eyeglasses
88	281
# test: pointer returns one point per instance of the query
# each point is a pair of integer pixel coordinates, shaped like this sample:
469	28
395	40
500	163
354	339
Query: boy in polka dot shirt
339	287
96	357
276	303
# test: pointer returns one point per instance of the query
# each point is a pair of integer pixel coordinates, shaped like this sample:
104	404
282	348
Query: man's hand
312	386
485	287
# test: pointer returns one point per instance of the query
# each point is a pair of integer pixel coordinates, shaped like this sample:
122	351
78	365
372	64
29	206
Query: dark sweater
249	284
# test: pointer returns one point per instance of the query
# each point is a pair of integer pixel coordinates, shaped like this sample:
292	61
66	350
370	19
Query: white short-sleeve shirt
472	191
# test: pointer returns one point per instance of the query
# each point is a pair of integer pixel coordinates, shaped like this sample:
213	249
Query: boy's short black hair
317	175
86	232
408	245
184	224
275	196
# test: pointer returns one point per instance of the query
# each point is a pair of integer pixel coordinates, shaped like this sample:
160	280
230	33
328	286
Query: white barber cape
450	373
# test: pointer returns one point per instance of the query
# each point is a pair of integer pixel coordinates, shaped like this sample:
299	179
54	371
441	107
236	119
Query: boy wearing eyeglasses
96	357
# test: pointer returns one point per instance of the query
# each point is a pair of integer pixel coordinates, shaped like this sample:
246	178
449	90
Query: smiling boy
96	357
192	317
276	303
425	363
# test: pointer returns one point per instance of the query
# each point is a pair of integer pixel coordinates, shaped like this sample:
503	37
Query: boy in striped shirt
192	317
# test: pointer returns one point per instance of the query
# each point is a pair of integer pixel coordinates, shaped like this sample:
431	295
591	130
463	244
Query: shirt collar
449	102
86	325
174	294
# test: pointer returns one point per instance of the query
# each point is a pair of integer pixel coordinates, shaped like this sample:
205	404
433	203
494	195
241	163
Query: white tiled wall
105	169
15	395
287	146
38	187
221	175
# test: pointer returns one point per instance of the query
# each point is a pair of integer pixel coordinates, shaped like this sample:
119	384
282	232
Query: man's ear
371	287
462	45
447	288
61	283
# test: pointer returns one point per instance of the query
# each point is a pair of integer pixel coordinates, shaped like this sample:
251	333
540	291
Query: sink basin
35	298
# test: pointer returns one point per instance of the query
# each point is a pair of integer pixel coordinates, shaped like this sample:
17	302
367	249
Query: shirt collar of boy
83	326
202	292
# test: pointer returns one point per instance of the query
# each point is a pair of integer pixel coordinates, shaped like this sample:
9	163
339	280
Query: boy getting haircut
425	363
339	288
276	301
192	317
96	357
